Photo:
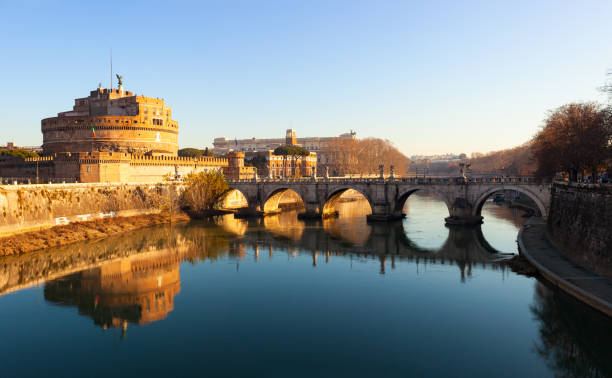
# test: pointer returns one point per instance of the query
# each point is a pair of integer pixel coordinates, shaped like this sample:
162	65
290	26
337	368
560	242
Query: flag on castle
93	131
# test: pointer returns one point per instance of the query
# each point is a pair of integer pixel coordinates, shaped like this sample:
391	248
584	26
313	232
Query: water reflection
575	340
138	289
115	260
284	225
136	279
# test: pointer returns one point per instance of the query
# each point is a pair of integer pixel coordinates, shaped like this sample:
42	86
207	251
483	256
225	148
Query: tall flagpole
111	73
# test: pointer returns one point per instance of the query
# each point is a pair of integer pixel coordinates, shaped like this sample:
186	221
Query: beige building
321	146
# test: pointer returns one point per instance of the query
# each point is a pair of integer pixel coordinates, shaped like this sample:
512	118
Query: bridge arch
329	206
233	199
400	202
272	200
477	209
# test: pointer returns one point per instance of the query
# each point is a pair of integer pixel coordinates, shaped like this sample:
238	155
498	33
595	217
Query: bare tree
574	138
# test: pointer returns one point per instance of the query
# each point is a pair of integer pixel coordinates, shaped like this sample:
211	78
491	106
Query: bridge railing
450	180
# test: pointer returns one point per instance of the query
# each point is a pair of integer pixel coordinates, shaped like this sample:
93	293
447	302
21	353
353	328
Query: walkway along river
277	296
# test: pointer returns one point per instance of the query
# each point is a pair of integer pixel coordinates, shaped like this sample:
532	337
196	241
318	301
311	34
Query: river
279	297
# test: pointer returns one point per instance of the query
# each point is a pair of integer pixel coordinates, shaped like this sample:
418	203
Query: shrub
203	190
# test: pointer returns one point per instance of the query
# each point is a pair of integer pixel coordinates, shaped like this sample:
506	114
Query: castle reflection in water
137	289
134	278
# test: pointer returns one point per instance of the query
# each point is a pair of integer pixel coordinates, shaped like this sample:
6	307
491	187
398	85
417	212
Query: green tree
293	151
190	152
18	153
194	152
202	191
258	161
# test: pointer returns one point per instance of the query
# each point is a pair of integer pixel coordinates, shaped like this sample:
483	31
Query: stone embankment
33	207
588	287
580	224
39	216
573	249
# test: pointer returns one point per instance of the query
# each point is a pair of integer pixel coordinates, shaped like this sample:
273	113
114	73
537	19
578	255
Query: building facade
323	147
278	166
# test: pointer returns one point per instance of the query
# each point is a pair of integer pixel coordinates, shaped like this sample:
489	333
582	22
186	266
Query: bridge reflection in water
135	278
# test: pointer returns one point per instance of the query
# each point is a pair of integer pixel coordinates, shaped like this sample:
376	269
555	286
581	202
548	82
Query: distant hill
512	161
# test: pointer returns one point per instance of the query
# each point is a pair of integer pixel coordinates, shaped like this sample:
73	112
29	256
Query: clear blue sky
433	77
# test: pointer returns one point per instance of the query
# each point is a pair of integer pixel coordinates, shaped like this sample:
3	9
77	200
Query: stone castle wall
118	167
30	207
580	224
119	133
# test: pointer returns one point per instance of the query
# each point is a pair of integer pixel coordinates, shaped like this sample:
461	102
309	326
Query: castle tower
112	120
290	137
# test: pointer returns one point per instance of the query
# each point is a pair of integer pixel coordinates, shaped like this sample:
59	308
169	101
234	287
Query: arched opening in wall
424	213
504	212
347	203
345	216
233	199
283	200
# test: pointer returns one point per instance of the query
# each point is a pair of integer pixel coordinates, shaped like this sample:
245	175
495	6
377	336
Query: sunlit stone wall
29	207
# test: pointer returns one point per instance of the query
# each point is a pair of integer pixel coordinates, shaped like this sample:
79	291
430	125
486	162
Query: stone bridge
464	197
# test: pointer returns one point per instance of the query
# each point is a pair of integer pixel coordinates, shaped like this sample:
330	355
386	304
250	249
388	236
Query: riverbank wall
580	224
26	208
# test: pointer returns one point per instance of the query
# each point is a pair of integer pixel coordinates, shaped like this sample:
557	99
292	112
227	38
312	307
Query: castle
114	135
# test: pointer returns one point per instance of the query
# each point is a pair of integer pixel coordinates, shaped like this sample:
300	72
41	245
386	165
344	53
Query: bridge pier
312	211
464	221
248	212
384	217
462	213
253	209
